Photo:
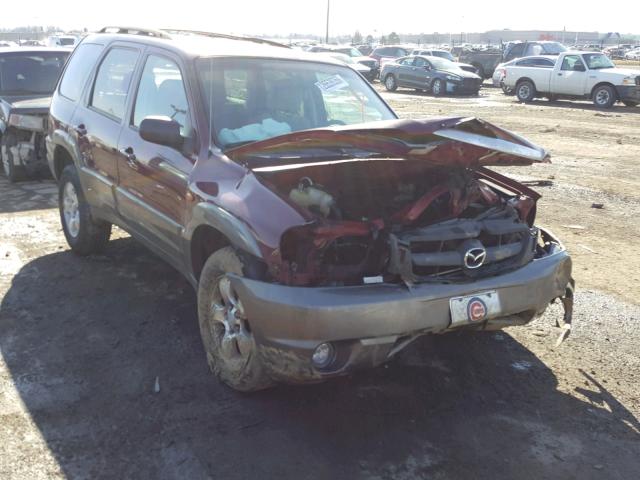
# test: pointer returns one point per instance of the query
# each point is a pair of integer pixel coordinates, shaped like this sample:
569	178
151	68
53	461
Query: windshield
256	99
443	54
352	52
596	61
552	48
443	64
30	72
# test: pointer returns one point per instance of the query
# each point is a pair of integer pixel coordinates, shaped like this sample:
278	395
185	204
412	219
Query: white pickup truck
575	75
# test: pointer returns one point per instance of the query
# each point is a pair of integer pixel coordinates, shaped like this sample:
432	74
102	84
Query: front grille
439	250
469	83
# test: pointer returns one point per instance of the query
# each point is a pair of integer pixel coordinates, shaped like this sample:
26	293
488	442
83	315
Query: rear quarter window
77	71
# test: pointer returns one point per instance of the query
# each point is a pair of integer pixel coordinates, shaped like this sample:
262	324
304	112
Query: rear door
153	178
571	79
98	122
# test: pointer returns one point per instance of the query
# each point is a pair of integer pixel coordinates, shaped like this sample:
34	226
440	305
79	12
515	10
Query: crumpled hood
29	104
463	142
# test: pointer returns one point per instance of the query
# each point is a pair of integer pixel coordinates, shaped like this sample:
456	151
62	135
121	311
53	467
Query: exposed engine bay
401	221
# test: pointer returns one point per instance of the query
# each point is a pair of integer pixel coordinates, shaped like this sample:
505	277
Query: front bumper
367	324
466	88
628	93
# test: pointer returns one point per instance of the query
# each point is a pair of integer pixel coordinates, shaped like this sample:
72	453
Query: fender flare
237	232
60	138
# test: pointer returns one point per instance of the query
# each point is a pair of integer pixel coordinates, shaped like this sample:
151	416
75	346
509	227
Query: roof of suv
209	45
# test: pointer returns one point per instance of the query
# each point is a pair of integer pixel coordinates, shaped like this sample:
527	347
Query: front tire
604	96
438	87
13	172
231	349
84	234
526	91
390	83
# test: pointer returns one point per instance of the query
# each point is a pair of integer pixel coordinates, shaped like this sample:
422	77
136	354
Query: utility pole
326	38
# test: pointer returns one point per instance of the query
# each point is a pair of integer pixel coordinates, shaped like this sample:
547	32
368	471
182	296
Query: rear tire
13	172
231	350
604	96
84	234
525	91
390	83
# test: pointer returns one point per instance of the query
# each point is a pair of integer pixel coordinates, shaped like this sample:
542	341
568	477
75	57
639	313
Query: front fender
238	232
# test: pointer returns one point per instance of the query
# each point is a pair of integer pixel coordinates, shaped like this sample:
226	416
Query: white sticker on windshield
335	82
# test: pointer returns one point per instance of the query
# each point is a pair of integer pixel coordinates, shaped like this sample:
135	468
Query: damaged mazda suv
322	233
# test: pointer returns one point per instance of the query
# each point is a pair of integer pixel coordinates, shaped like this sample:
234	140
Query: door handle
81	130
559	74
132	161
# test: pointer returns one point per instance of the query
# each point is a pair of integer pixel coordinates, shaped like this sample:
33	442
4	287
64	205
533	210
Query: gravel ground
84	340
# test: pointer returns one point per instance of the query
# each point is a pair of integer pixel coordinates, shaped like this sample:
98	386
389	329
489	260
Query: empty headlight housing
28	122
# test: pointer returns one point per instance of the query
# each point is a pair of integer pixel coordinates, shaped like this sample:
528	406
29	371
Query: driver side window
570	63
161	93
420	62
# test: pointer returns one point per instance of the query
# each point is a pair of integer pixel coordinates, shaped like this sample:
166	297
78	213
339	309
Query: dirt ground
84	340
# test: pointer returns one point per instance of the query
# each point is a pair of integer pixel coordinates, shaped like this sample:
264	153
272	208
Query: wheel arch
212	228
602	84
61	151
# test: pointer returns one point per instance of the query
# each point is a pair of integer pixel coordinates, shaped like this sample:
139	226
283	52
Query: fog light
323	355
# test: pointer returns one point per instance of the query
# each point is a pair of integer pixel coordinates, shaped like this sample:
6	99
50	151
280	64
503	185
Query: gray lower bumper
289	322
629	93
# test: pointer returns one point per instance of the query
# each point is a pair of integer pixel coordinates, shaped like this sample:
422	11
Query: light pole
326	38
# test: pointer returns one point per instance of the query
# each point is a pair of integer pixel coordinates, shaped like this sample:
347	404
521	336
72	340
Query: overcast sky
374	17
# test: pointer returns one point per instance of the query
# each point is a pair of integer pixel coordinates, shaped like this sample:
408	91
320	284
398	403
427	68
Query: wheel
226	333
525	91
84	234
506	90
437	87
630	104
390	83
604	96
13	172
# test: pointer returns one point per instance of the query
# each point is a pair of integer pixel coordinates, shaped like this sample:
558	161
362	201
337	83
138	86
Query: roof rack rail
226	35
147	32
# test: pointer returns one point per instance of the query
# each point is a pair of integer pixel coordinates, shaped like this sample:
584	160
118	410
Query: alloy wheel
71	209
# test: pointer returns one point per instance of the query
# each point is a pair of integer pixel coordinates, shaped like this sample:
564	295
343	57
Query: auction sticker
335	82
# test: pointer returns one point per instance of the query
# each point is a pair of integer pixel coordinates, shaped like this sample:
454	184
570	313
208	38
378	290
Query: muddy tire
226	333
13	172
84	234
604	96
630	104
390	83
438	87
525	91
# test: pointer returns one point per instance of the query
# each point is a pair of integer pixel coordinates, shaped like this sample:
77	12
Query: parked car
446	55
633	54
354	53
434	74
321	233
363	70
576	75
487	61
28	76
501	70
365	49
387	53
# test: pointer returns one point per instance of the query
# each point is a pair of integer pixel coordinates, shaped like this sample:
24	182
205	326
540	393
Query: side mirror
161	130
427	67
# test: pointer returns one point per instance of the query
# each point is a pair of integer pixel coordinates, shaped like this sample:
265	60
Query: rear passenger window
161	93
76	73
112	82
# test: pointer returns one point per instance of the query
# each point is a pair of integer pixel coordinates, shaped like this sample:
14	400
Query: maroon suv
321	232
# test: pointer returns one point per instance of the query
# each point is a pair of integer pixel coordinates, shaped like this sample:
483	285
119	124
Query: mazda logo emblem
475	257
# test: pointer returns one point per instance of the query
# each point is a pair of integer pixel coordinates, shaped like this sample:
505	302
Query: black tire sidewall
92	236
532	91
15	174
612	97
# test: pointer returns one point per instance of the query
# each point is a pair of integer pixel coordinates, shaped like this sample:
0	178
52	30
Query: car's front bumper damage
368	324
628	93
